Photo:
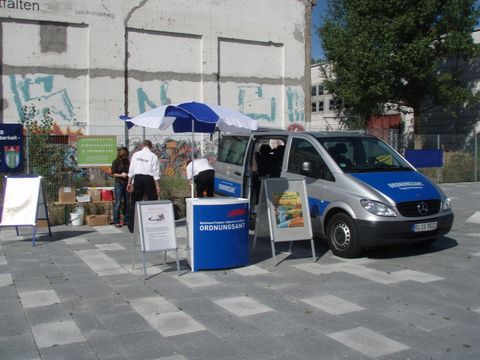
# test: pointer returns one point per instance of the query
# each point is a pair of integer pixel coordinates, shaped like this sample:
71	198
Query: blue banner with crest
11	148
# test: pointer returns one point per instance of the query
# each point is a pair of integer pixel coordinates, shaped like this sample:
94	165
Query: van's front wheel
342	236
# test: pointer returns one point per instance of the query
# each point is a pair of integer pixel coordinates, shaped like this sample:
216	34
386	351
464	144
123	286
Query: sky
318	10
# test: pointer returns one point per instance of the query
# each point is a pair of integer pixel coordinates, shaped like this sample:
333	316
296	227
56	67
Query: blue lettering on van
400	186
317	206
225	187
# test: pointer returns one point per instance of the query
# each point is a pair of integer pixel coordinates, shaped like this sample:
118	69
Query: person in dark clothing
203	177
143	177
264	159
120	168
277	160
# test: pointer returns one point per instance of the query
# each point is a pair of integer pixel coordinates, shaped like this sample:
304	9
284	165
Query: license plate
424	226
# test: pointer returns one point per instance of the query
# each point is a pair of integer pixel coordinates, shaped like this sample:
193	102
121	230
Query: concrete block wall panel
251	79
150	93
66	97
72	56
46	66
106	102
263	103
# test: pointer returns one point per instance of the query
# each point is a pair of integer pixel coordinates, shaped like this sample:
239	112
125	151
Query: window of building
305	160
320	107
314	107
332	105
314	90
321	90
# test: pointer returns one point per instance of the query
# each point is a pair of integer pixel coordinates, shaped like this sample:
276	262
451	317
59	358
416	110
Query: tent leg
314	255
178	262
273	253
34	235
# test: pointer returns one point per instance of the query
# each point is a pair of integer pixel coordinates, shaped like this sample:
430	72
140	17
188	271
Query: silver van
361	192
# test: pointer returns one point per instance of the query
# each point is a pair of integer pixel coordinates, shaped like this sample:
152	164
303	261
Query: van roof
317	134
331	134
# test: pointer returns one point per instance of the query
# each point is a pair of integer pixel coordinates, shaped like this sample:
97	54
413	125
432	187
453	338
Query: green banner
96	150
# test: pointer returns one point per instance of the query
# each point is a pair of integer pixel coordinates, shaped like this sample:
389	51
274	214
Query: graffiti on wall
175	152
295	105
145	103
41	90
253	98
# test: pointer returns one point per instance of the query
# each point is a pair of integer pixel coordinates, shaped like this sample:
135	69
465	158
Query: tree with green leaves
399	54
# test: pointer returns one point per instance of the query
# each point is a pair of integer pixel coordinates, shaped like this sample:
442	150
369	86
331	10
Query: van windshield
359	154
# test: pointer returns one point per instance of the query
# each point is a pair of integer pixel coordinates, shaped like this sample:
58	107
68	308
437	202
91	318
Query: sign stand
283	205
24	203
155	226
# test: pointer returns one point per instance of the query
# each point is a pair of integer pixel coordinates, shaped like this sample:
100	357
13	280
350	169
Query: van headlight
377	208
446	204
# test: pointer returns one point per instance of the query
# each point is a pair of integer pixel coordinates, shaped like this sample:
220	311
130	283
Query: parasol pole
192	185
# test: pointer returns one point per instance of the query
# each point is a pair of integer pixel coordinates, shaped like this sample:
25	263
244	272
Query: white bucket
76	219
77	216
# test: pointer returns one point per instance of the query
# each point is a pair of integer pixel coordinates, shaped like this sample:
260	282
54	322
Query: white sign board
21	200
156	225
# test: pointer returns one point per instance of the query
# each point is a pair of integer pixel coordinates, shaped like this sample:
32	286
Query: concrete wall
89	61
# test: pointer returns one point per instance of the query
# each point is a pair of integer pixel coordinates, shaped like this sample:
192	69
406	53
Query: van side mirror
312	170
307	169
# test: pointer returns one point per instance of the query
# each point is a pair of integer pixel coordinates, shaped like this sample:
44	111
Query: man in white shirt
203	176
143	176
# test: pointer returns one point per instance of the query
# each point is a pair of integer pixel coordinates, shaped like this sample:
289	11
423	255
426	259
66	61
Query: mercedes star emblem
422	208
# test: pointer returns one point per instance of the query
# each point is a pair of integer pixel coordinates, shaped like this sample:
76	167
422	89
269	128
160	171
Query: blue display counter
217	233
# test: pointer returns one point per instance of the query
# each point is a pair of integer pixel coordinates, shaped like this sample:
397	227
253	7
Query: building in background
456	130
87	62
324	116
436	121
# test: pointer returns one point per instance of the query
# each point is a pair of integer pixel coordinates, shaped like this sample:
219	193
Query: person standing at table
203	176
120	167
143	177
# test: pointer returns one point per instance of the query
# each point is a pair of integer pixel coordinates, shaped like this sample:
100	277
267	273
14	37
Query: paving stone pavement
76	296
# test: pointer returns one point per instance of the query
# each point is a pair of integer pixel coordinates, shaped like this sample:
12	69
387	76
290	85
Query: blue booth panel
220	233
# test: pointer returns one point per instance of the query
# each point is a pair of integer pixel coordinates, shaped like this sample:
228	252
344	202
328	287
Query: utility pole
309	4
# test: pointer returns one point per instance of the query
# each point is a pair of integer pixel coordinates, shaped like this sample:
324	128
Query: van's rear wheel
342	236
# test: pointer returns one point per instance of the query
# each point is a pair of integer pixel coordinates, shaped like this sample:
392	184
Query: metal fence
460	153
54	157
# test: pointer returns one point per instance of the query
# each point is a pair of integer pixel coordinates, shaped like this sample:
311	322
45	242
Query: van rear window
231	149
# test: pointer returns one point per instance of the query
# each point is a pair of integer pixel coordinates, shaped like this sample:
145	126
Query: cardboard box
42	223
97	220
95	194
67	194
83	198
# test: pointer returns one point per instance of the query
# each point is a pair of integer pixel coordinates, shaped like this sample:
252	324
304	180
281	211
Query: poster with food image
282	212
288	209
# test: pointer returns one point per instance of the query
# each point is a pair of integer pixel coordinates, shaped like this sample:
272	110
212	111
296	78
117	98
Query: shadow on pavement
300	250
398	251
43	238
